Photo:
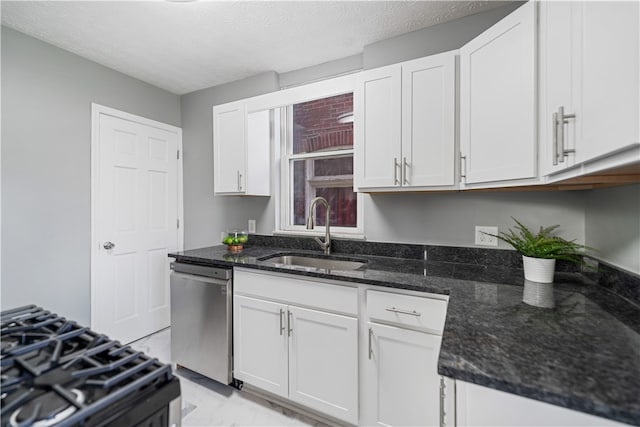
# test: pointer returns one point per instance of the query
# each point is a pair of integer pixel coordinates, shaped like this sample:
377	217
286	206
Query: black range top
56	372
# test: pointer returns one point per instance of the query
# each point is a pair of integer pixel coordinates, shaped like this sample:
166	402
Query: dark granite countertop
584	354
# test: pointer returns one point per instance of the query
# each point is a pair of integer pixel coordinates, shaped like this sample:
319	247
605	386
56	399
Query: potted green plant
541	250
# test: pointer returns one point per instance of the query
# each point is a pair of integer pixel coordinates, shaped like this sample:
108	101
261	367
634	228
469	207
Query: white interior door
134	226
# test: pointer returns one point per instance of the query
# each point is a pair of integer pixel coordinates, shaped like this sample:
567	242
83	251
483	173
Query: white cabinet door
589	66
497	101
610	72
257	179
377	152
428	121
558	59
323	362
229	156
401	383
482	406
260	344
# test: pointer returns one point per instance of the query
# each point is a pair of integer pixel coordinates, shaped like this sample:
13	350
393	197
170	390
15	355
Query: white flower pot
539	269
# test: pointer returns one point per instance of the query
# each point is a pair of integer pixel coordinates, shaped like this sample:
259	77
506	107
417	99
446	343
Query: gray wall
46	189
206	216
449	219
613	225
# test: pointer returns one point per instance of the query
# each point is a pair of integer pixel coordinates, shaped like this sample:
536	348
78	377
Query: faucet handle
325	246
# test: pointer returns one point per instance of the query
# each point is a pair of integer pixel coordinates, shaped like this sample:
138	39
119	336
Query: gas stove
55	372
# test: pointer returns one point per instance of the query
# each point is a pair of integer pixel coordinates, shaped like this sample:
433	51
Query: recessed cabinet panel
610	72
323	359
260	344
497	101
258	175
401	380
558	59
377	127
428	126
229	147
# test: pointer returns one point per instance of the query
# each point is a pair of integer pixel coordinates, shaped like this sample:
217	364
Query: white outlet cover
251	226
484	239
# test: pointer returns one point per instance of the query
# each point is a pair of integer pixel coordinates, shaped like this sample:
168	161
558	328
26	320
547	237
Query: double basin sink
325	262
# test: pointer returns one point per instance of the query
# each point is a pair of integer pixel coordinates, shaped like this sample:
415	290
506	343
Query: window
317	160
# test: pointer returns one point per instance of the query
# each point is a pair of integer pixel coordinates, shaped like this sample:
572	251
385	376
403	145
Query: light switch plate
251	226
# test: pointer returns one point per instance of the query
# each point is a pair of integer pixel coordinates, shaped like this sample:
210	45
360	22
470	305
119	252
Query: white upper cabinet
376	127
405	125
498	103
241	150
589	84
428	121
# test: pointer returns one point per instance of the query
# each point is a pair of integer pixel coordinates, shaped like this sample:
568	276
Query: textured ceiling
186	46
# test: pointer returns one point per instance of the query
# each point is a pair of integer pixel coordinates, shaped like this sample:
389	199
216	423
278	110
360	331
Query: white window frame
284	99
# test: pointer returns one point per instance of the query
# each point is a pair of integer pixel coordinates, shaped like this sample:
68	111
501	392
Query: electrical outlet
252	226
484	239
222	235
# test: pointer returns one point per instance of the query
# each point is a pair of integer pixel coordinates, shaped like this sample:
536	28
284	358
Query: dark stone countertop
584	354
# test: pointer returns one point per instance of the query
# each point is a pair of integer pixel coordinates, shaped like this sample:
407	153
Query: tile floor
208	403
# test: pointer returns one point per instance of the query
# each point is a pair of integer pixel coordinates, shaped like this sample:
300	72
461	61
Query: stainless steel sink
315	262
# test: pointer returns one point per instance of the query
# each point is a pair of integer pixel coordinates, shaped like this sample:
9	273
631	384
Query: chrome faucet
326	245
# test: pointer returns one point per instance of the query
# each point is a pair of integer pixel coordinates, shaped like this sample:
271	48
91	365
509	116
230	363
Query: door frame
96	111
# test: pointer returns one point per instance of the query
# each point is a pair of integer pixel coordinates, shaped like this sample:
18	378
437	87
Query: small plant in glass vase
541	250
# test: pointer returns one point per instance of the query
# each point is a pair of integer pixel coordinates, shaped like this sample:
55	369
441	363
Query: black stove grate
58	371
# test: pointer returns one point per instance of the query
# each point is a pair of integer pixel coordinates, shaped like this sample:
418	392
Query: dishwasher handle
215	272
204	279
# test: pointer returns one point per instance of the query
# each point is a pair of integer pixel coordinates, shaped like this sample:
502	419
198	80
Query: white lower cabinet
482	406
323	362
306	355
260	344
400	380
400	385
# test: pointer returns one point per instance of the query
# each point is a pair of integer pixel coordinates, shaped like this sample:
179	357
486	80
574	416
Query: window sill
338	235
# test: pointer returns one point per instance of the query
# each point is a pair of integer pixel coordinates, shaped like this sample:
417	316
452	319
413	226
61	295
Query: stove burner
53	408
56	372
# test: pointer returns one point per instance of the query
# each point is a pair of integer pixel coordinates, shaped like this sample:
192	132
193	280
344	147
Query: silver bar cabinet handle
561	120
442	396
239	181
560	125
463	169
396	165
281	322
289	322
370	339
554	127
405	165
397	310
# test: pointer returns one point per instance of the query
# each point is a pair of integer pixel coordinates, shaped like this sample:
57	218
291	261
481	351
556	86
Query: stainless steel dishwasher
201	319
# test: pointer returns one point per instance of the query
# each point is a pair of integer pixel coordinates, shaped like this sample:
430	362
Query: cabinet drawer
416	312
297	290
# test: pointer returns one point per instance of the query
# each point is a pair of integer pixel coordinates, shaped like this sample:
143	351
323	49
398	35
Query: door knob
109	245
